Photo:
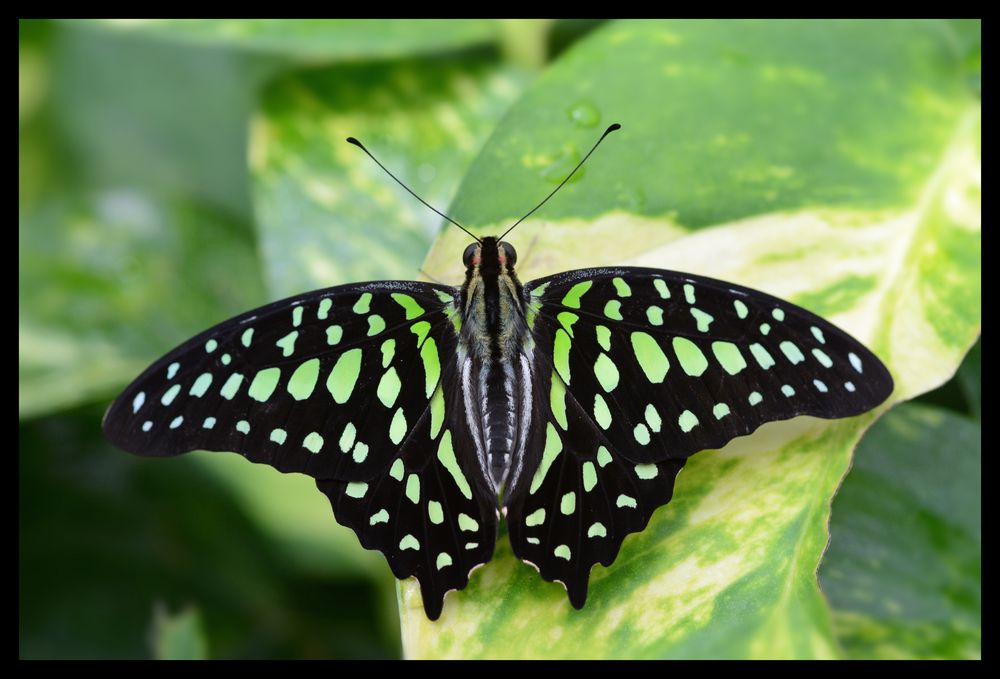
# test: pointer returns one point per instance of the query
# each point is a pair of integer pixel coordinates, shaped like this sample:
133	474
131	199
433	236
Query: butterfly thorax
494	359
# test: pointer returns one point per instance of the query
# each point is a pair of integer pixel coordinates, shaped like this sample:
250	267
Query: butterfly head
490	256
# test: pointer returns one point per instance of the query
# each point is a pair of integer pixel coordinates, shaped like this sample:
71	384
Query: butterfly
566	405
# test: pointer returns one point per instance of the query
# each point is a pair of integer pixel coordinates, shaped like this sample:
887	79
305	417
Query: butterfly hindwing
579	497
638	369
431	515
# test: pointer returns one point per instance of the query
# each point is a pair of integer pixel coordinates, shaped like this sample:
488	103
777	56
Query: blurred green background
154	201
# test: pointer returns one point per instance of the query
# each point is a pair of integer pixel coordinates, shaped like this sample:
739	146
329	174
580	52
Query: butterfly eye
509	253
469	253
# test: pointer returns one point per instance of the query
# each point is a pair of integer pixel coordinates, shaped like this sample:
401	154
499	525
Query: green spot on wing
420	329
535	518
729	357
601	412
741	308
388	387
560	354
641	434
443	560
287	343
231	386
467	523
344	375
363	305
562	551
313	442
381	516
347	437
246	337
553	446
356	490
264	383
388	349
567	505
693	362
376	324
297	316
621	287
413	488
821	356
435	513
626	501
606	372
763	357
243	427
567	319
613	310
687	421
720	410
650	357
791	352
201	385
170	394
446	455
653	418
396	471
279	435
661	288
303	380
589	476
557	401
597	530
572	298
604	337
397	429
432	365
410	306
702	319
324	308
646	471
334	334
437	412
603	457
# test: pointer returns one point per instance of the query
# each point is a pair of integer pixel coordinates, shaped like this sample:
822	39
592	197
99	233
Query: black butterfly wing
432	515
352	385
642	368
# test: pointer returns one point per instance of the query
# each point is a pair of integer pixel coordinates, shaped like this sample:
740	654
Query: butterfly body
495	357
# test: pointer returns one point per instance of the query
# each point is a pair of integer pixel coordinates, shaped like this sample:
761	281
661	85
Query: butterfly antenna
352	140
608	131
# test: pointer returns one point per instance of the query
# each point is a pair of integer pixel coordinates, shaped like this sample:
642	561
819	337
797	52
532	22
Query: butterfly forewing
668	364
327	384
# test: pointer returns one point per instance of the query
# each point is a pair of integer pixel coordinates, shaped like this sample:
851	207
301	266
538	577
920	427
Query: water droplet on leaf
584	114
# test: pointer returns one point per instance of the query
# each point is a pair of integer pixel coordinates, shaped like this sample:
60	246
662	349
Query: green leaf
184	136
109	280
835	164
320	38
903	569
328	214
178	636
